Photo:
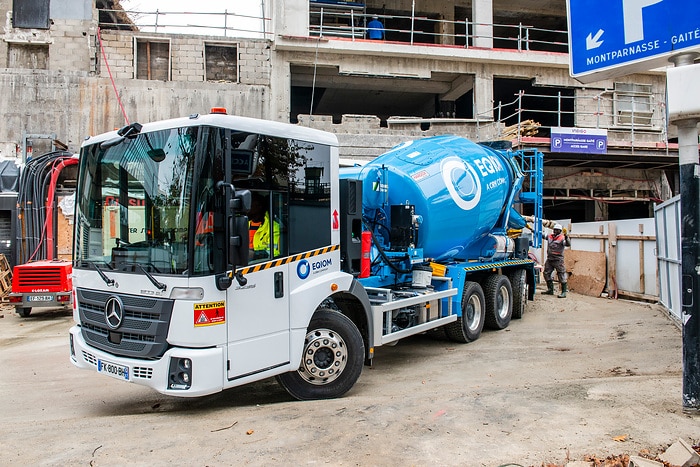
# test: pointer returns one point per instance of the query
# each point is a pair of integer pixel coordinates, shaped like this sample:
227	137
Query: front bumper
208	367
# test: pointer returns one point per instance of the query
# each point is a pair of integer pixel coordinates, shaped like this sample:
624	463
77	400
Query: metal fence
668	253
535	114
222	23
329	22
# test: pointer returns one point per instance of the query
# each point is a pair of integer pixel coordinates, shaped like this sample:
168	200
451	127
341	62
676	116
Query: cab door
258	326
259	322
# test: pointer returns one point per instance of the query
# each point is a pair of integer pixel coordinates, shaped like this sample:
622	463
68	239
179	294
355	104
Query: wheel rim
473	312
325	357
502	302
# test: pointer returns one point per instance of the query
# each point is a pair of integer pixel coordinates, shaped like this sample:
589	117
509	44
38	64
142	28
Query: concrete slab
681	454
636	461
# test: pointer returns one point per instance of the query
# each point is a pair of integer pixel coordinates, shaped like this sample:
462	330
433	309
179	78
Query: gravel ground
575	377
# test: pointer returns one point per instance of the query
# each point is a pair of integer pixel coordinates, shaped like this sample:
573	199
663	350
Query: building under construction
484	69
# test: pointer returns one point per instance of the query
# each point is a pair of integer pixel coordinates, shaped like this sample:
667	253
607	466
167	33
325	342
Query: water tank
459	188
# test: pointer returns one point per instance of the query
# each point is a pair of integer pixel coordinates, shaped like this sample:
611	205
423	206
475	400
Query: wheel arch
354	303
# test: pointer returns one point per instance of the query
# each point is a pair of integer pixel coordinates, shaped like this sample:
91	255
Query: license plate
113	370
39	298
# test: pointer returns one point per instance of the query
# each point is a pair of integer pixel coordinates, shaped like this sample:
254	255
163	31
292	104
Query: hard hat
375	17
556	227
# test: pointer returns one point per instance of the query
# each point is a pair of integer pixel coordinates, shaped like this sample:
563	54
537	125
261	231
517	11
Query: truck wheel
518	282
332	361
23	311
499	303
468	327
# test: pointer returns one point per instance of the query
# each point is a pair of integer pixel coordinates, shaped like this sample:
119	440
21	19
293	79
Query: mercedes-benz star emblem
114	312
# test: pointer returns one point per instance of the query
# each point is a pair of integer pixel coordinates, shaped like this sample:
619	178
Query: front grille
144	327
39	277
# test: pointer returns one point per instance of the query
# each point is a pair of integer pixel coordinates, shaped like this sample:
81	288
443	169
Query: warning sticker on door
208	314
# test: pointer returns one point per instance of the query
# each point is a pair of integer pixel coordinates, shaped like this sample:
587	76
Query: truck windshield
133	202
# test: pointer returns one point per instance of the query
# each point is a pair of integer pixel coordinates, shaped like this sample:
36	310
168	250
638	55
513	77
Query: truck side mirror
238	241
238	205
241	202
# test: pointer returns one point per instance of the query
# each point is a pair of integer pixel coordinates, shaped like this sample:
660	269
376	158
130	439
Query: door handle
279	285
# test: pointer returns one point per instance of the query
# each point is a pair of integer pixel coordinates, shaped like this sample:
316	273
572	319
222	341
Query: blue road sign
610	38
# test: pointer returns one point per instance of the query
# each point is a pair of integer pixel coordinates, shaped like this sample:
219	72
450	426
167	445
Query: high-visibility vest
205	225
259	238
252	228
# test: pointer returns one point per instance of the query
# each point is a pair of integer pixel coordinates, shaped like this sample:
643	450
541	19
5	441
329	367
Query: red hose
55	172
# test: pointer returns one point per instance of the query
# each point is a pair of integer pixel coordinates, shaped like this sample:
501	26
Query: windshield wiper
108	281
153	280
129	131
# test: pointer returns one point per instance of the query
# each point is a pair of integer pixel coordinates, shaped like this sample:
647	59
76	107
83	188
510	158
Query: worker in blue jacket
375	29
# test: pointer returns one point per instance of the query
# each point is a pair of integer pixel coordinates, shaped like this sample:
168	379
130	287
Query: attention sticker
208	314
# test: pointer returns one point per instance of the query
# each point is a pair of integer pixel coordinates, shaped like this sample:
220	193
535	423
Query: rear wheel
499	303
468	327
23	311
518	282
332	360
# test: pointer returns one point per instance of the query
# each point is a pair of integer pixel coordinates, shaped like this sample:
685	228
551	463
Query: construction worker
556	242
204	228
375	29
259	229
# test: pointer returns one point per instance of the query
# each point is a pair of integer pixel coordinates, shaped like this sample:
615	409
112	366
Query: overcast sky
246	27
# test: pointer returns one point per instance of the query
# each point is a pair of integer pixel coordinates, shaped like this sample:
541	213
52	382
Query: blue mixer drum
462	193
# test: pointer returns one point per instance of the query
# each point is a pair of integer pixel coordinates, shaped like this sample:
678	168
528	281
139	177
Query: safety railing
531	114
222	23
331	22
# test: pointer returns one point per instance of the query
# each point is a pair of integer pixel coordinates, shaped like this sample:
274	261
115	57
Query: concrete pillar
482	19
446	27
600	211
280	90
290	17
483	97
684	113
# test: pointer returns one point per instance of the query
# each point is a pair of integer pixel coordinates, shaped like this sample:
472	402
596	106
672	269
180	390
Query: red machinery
45	282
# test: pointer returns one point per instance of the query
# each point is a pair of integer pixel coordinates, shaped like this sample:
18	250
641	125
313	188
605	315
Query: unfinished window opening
576	210
30	14
632	104
335	93
28	56
152	59
221	62
519	100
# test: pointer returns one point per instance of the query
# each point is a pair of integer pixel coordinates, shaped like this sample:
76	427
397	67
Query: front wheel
332	359
23	311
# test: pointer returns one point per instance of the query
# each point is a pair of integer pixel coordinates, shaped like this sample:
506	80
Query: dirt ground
575	377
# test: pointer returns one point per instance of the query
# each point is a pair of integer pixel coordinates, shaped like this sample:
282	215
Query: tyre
468	327
518	282
23	311
499	301
334	353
